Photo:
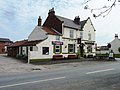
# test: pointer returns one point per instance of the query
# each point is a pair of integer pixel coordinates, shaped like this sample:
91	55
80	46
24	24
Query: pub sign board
57	43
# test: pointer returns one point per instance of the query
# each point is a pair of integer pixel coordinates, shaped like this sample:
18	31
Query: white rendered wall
88	28
46	43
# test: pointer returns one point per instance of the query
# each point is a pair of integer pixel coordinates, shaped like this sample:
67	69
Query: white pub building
59	36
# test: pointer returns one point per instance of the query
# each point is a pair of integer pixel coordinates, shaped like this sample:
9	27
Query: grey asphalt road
96	77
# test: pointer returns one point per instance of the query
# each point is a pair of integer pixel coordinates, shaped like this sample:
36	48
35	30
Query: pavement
8	64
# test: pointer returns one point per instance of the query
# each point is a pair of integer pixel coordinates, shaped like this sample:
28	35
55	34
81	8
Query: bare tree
104	10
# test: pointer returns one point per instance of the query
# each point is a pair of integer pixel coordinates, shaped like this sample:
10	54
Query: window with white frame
89	36
89	48
71	48
58	38
57	48
71	34
81	35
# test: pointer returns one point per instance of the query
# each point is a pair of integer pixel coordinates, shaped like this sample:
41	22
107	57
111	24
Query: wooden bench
72	56
57	57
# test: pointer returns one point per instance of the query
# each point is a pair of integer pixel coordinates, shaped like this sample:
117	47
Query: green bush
19	56
25	57
102	54
117	55
40	60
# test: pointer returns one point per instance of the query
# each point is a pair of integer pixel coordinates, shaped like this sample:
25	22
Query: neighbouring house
58	38
4	42
115	44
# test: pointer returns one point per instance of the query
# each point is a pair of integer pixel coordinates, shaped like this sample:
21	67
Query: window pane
89	48
71	48
31	48
81	35
71	34
46	50
57	49
89	36
57	37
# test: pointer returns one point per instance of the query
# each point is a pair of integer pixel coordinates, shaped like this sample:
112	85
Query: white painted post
28	55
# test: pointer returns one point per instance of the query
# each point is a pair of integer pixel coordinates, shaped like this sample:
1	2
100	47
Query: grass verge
40	60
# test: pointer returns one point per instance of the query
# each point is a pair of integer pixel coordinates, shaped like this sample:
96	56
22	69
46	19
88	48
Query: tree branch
106	9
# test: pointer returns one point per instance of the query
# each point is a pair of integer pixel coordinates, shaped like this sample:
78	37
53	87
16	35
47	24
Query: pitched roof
69	22
18	43
4	40
83	23
31	43
37	34
25	43
51	31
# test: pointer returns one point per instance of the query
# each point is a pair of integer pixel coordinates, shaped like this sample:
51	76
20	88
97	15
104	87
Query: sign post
80	46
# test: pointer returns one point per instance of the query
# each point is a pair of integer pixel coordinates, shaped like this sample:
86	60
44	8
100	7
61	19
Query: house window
31	48
45	50
71	34
89	48
71	48
26	50
81	35
58	38
89	36
21	48
57	49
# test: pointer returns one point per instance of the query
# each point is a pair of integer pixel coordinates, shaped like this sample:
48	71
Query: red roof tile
31	43
50	31
18	43
25	43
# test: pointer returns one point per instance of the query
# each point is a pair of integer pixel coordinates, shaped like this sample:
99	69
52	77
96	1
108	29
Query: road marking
100	71
58	78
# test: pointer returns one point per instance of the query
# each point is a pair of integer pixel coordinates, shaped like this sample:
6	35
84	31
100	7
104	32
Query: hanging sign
57	43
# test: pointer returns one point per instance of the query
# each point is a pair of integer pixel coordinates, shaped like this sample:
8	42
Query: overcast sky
19	17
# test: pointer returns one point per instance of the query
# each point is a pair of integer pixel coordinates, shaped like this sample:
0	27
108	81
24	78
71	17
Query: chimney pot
51	12
39	21
77	20
116	36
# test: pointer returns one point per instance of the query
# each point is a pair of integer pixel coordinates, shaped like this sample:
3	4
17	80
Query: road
96	77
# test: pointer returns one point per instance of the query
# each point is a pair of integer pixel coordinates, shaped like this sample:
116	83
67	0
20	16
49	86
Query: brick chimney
77	20
51	12
39	21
